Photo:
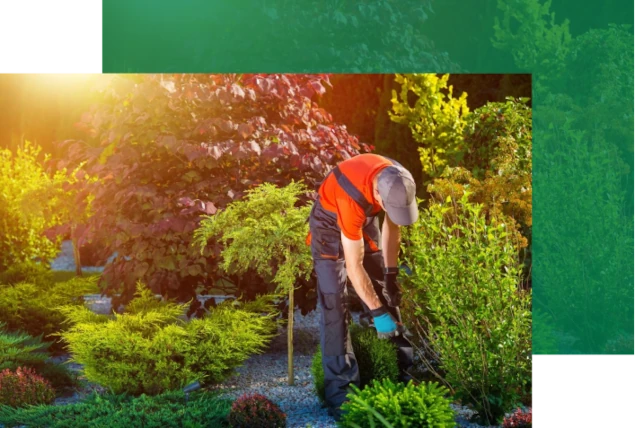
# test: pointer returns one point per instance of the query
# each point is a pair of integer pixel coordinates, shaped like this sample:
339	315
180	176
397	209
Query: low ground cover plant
398	405
151	349
167	410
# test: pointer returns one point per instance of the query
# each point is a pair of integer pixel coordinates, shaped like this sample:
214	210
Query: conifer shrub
168	410
36	308
152	349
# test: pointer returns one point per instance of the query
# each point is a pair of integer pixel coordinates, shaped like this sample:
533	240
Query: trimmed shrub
256	410
376	358
317	371
464	300
152	349
36	309
398	405
167	410
24	387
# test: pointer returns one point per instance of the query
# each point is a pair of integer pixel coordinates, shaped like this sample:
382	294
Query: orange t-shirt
360	170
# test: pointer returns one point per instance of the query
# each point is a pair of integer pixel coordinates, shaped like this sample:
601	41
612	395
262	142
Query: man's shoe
336	413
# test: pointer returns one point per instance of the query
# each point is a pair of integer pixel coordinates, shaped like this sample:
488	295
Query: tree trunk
76	257
290	338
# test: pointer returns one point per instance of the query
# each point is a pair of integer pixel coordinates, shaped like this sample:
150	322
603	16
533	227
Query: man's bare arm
390	240
354	257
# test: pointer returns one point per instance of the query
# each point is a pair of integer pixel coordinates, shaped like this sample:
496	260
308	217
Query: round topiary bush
423	405
376	358
24	387
256	410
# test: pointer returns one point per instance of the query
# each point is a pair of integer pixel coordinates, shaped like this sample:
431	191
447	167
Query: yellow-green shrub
21	235
153	350
36	309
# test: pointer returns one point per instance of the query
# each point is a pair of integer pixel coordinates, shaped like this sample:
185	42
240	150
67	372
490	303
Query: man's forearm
391	238
363	286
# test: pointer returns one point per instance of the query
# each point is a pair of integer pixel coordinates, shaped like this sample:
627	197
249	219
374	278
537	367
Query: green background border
581	59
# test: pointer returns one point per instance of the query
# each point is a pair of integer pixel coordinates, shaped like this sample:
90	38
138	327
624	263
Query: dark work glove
391	290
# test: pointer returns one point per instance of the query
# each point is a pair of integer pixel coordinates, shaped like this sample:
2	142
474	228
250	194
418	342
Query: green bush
18	349
153	349
376	358
36	309
122	411
398	405
317	372
256	411
464	299
32	273
21	234
23	387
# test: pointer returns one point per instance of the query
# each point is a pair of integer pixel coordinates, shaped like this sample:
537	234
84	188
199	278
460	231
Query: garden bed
266	374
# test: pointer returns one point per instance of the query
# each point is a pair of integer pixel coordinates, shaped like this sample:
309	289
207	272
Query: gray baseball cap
397	190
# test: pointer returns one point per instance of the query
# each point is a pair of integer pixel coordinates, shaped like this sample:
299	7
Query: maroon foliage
170	148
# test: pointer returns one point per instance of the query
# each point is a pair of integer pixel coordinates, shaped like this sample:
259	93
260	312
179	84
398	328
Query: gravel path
267	375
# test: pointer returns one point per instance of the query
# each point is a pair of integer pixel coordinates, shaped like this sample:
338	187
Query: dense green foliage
399	406
486	152
37	309
264	232
256	410
464	300
32	273
436	120
376	359
163	148
21	234
152	350
23	387
123	411
495	167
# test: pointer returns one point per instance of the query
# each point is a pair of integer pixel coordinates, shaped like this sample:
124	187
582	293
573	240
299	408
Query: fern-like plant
266	233
20	349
